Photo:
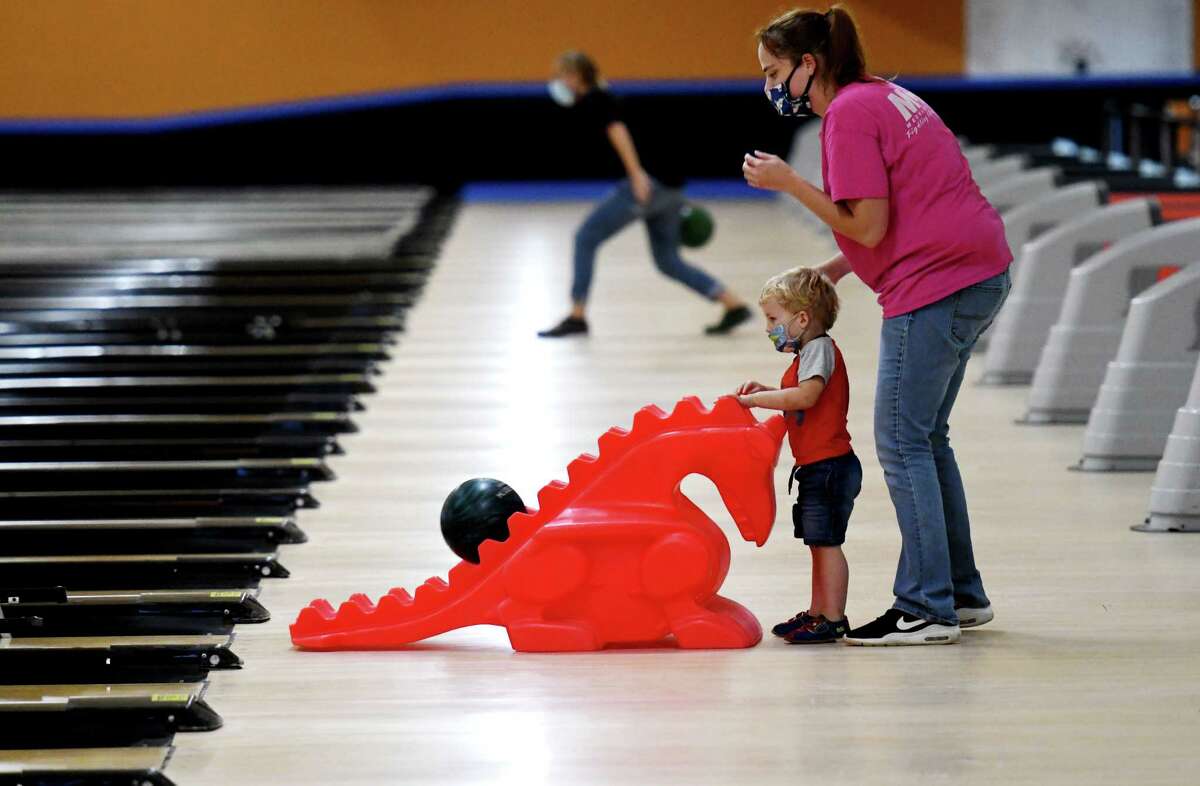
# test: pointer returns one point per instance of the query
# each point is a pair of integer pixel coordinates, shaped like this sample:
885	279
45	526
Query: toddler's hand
751	387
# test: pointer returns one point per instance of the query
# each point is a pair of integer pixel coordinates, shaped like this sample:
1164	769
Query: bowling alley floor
1089	674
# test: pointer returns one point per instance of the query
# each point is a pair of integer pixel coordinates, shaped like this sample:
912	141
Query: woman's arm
803	396
865	221
836	267
622	142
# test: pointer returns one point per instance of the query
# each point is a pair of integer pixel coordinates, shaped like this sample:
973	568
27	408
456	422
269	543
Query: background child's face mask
562	95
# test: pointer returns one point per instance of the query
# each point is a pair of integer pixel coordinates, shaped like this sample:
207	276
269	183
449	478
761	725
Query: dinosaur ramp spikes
614	556
463	575
323	608
648	419
728	408
431	594
522	525
688	411
351	612
313	617
551	498
582	469
397	619
391	607
401	595
493	552
613	443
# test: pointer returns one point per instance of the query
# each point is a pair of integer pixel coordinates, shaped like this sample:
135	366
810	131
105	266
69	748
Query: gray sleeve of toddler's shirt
817	359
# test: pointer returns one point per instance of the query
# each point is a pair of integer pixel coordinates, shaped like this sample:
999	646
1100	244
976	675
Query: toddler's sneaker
897	628
973	618
795	623
819	631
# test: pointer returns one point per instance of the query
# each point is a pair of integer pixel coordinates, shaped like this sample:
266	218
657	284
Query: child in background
800	306
652	192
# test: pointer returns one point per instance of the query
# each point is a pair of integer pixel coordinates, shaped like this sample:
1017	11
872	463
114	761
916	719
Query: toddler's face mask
780	338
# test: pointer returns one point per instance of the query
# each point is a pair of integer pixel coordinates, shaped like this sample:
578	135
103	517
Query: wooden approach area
1089	674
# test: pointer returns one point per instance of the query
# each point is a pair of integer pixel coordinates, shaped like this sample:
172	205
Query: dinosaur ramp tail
398	618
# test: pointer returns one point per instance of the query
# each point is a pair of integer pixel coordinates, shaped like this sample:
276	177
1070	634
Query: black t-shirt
598	109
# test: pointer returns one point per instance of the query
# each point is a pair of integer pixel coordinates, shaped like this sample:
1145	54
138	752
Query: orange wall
129	58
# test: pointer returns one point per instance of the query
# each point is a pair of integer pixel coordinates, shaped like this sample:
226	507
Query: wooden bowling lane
1088	674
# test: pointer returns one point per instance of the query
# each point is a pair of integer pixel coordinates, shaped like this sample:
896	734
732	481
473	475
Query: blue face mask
562	95
783	102
780	338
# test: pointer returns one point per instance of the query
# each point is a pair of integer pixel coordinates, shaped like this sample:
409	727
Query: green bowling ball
696	225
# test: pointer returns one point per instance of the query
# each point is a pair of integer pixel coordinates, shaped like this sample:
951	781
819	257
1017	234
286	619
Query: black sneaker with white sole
895	628
974	617
570	326
729	320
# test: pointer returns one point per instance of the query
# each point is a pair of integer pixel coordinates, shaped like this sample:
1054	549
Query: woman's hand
768	172
642	187
834	269
745	401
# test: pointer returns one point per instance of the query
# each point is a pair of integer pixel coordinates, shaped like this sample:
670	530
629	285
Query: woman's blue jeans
619	209
923	357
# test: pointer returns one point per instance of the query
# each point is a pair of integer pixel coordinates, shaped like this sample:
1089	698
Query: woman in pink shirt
911	223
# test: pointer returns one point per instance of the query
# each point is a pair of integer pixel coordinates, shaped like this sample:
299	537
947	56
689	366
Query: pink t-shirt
879	140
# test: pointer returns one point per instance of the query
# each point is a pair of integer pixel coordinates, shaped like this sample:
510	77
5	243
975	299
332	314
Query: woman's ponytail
844	57
832	35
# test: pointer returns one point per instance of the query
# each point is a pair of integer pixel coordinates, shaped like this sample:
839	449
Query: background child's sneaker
729	320
973	618
795	623
570	326
897	628
818	631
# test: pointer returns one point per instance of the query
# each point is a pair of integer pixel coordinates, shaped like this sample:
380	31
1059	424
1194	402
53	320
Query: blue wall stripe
533	90
589	190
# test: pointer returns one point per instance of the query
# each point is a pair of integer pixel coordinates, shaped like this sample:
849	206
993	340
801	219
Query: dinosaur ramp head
749	488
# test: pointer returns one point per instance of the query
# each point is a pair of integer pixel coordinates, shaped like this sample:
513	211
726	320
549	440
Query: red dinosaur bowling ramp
617	555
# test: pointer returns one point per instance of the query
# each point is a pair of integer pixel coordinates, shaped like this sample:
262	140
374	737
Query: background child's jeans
923	356
615	212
